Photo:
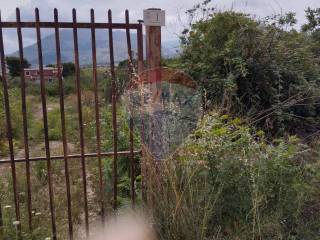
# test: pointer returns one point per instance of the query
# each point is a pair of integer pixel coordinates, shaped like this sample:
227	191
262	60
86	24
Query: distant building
33	74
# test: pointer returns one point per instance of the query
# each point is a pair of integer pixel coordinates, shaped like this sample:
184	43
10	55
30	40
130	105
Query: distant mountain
84	41
170	48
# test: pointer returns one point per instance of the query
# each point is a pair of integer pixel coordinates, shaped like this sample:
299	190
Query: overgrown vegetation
249	171
39	177
262	69
228	182
14	67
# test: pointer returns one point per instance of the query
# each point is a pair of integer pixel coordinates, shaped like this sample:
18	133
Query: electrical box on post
154	17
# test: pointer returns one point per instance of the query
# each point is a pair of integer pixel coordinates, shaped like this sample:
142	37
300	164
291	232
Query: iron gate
74	25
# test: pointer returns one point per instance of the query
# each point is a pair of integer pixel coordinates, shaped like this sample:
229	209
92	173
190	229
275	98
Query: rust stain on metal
45	125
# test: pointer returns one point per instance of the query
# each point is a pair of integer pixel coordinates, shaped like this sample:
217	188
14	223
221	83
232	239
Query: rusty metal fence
74	25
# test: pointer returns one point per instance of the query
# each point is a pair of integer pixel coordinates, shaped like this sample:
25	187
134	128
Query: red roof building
33	74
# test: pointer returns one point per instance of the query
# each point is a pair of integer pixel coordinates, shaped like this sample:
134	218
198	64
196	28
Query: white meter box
154	17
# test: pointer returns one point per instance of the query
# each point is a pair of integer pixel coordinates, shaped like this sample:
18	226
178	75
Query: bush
255	68
14	65
227	182
124	194
68	69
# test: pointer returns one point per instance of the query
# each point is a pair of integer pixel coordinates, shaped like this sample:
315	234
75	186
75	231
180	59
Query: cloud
175	11
83	12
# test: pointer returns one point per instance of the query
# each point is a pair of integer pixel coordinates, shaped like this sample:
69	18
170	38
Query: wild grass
228	182
39	175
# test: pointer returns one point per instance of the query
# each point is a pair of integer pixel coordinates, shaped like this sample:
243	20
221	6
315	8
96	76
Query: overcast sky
175	11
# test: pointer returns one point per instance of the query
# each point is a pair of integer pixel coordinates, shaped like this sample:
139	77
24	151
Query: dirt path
38	109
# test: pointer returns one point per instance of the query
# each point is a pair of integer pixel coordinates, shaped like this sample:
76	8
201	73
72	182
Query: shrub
228	182
255	68
14	65
124	194
68	69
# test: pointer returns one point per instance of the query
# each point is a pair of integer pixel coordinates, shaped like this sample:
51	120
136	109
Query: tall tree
262	69
312	28
68	69
313	20
13	64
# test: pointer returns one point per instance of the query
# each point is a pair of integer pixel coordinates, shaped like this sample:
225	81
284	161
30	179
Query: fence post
158	145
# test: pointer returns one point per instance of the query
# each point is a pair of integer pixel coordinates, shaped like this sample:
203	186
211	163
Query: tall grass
228	182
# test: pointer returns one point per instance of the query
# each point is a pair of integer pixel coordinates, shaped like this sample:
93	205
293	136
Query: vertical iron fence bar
9	127
130	67
1	220
78	83
45	125
96	104
24	116
140	70
63	125
114	115
140	61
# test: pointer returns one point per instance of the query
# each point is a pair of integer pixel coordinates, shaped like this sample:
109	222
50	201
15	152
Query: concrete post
158	142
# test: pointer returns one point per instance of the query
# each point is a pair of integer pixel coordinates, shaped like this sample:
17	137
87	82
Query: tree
312	28
68	69
313	17
14	67
262	69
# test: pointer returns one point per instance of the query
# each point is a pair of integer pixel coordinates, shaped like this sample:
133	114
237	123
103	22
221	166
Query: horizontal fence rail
73	156
71	25
83	155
